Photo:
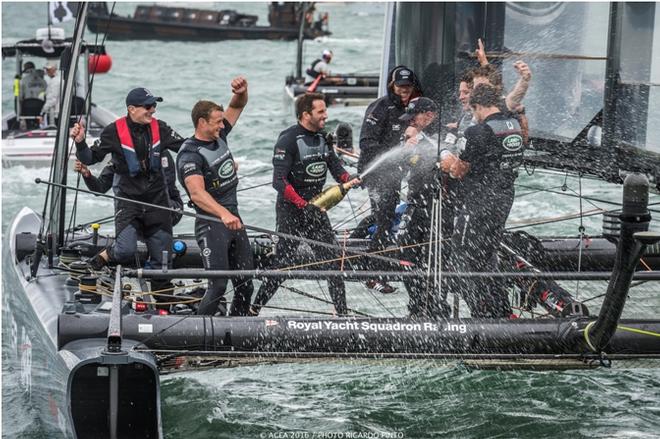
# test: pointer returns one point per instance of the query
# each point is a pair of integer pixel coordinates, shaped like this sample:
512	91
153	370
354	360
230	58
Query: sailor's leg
213	241
384	200
241	258
127	225
284	249
158	236
319	228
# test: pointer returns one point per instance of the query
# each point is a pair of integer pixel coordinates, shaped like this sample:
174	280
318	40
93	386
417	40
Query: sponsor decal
367	326
513	142
189	167
226	169
206	252
271	323
396	127
145	328
316	169
164	163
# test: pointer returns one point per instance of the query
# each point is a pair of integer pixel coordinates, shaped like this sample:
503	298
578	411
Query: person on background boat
381	131
207	171
51	108
424	182
135	142
320	66
301	161
488	169
32	94
105	181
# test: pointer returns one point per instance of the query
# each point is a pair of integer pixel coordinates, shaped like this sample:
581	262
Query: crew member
32	93
381	131
320	66
301	160
51	108
207	171
105	181
424	184
135	142
488	168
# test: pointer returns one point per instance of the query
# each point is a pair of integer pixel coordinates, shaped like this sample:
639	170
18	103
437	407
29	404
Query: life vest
509	141
126	141
219	171
310	70
311	168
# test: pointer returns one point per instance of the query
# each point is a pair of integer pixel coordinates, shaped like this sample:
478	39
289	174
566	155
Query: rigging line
560	219
310	264
74	211
581	230
308	311
83	226
535	191
350	203
320	299
598	200
214	219
253	187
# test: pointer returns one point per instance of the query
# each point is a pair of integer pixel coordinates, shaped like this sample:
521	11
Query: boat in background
343	89
170	23
24	140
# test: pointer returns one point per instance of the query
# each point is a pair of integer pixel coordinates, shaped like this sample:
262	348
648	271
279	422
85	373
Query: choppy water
384	399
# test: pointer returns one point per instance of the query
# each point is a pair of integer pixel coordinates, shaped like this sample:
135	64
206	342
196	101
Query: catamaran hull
69	386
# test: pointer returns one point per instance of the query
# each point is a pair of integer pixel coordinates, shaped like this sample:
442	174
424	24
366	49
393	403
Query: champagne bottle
330	197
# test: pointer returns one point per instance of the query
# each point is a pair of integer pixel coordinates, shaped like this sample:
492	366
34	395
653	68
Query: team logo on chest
316	169
513	142
226	169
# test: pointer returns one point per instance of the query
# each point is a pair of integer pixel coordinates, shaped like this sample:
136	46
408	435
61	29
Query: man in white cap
51	108
320	66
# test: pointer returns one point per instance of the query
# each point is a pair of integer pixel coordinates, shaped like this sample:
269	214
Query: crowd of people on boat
471	176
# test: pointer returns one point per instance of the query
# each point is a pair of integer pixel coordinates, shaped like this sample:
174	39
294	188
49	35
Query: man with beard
381	132
301	160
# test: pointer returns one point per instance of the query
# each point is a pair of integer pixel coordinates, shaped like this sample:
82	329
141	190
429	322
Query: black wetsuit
145	182
381	131
222	249
300	163
414	234
494	150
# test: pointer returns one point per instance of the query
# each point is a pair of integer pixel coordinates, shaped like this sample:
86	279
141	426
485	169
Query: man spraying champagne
301	161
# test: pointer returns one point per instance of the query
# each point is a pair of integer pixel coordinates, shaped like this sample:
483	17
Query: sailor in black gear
136	142
301	161
381	131
107	180
488	168
319	66
208	173
424	184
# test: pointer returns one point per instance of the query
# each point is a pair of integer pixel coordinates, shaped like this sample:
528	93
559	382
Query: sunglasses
146	107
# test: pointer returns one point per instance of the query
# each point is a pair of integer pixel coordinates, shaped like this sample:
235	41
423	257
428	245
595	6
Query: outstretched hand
523	70
481	53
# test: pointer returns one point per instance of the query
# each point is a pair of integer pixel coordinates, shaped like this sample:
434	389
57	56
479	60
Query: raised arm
239	99
515	97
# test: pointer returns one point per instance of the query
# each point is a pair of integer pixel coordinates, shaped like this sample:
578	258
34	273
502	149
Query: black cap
141	96
403	76
419	105
27	66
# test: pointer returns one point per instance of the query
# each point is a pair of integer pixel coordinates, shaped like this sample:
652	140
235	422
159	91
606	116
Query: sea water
333	399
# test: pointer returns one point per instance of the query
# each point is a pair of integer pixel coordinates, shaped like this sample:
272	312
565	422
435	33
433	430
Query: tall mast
56	213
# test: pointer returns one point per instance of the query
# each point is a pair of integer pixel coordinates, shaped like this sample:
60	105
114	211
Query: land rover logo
316	169
513	142
226	169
